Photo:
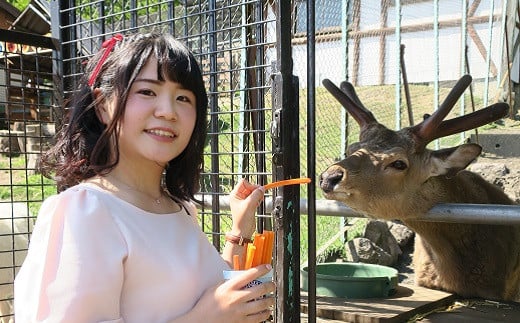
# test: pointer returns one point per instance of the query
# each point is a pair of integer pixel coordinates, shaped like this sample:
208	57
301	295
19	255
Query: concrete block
499	144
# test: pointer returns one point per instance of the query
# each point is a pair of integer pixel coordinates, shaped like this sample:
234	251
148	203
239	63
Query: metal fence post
286	164
286	204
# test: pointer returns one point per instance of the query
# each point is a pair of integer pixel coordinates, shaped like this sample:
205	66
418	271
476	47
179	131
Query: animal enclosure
259	114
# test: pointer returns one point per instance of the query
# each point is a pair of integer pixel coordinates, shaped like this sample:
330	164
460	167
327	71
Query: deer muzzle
330	178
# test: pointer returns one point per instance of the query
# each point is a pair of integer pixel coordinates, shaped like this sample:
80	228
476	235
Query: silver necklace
156	200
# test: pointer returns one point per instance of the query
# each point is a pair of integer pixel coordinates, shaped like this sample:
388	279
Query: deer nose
329	179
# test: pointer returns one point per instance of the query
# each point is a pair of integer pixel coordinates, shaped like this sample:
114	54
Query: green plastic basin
352	280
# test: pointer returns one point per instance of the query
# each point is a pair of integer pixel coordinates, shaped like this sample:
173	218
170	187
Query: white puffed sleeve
74	268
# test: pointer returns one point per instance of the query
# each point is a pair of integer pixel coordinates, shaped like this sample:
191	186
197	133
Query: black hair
86	147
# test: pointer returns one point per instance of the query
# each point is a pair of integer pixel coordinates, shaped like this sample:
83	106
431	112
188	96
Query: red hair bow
108	45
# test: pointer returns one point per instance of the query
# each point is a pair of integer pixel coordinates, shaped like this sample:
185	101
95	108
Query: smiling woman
159	118
124	231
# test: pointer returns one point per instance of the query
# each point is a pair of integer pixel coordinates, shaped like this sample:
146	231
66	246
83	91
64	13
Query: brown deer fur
392	175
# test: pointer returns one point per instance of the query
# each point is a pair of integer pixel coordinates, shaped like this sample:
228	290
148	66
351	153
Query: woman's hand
230	302
243	201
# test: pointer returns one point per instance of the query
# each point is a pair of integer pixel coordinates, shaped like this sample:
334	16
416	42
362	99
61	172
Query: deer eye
398	164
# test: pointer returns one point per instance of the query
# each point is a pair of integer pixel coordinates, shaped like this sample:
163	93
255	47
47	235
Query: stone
378	232
365	251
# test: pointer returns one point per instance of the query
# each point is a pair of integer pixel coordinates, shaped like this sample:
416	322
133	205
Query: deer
392	175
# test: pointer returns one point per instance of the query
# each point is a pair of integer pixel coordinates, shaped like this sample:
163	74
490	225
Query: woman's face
159	119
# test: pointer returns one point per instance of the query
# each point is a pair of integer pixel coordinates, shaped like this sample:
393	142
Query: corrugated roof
34	19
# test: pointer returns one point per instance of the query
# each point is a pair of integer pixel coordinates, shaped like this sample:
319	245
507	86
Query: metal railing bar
447	212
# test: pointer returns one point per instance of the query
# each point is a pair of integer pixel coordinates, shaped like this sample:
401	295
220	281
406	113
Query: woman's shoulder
80	193
76	200
77	208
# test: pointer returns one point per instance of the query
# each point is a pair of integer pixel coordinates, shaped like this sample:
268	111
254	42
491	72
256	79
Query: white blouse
96	258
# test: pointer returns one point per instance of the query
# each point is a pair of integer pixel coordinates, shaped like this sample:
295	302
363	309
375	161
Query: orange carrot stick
250	254
236	262
292	181
268	248
259	243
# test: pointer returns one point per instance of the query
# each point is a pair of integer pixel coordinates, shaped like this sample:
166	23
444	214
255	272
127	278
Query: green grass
17	185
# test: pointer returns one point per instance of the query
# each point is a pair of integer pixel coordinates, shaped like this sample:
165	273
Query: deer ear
450	161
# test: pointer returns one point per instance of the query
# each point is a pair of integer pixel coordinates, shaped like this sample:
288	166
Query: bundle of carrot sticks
259	252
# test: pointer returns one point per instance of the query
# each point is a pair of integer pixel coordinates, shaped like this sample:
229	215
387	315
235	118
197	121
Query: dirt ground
502	171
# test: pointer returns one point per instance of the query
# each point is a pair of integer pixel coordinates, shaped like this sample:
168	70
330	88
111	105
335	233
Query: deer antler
472	120
431	128
427	129
349	90
357	111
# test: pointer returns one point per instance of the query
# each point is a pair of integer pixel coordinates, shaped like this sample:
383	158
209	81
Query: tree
19	4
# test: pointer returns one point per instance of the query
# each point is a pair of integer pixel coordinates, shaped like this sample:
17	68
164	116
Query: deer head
392	174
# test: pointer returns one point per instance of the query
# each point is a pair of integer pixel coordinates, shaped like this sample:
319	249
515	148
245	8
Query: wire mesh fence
26	129
373	44
376	44
228	39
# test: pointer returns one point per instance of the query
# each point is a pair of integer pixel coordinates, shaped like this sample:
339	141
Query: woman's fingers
260	309
243	190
